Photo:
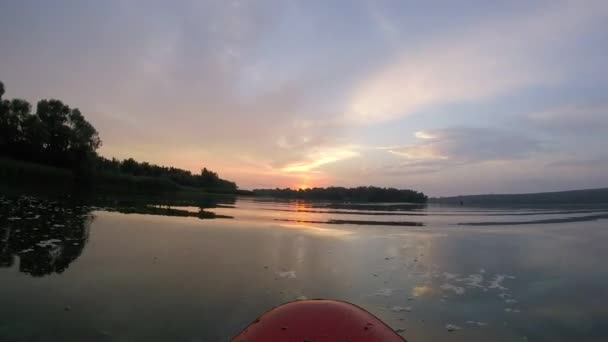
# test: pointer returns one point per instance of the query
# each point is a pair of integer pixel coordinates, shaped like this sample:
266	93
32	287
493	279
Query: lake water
115	270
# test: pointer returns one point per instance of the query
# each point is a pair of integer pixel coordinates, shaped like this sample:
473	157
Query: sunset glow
270	93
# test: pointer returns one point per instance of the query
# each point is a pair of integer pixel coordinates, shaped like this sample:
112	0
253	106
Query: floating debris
474	280
287	274
383	292
479	324
496	283
401	308
449	287
452	327
48	243
302	298
448	275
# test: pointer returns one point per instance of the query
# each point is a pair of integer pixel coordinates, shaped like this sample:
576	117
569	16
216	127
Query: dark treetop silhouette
60	136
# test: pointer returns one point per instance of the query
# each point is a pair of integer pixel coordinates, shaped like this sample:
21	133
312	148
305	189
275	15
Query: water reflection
166	211
357	222
166	206
543	282
44	236
370	206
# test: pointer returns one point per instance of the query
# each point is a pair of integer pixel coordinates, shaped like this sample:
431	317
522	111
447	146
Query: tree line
57	135
358	194
570	198
206	179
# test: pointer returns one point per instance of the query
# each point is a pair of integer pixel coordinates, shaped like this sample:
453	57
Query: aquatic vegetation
449	287
452	327
287	274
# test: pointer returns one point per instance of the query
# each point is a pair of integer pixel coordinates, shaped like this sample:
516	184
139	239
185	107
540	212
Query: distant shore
370	194
585	196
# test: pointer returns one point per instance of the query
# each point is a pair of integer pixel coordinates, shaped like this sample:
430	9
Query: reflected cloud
317	230
424	291
359	222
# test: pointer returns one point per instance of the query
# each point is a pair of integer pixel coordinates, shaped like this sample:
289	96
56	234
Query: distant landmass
358	194
586	196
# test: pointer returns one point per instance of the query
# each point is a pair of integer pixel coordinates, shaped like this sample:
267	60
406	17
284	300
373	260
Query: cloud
493	59
438	149
572	119
601	162
320	158
274	92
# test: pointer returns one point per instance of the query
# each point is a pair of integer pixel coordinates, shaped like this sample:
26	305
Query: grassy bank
22	174
31	176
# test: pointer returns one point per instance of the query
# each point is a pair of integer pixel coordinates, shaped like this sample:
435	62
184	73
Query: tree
55	134
12	114
208	177
359	194
85	137
4	107
35	135
61	136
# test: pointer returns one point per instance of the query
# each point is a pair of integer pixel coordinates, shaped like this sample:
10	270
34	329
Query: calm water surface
109	270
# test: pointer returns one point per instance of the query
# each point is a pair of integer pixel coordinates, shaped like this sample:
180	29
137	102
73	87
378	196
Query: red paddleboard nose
318	321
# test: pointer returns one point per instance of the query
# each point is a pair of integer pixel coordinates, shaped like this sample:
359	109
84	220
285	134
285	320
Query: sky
445	97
